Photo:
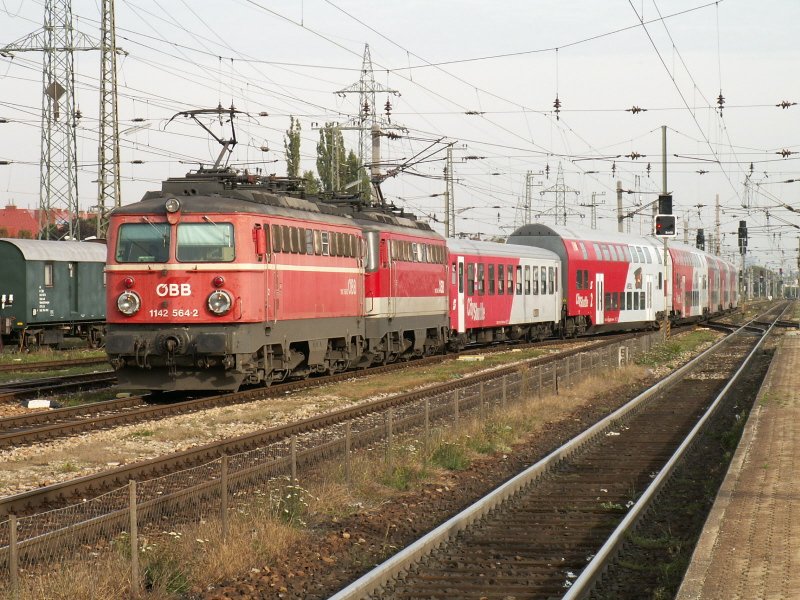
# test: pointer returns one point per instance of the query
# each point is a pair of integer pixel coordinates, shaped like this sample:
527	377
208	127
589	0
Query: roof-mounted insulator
786	104
635	110
557	106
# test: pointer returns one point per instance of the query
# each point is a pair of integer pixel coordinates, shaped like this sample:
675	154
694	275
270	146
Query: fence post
555	378
481	398
503	397
455	407
568	374
223	483
389	422
347	442
134	525
540	389
293	452
427	425
13	555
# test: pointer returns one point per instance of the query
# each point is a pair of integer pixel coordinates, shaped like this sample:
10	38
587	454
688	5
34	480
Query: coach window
461	278
615	301
555	279
642	296
641	254
578	279
627	252
647	255
471	279
510	280
519	280
583	250
480	279
205	242
606	254
597	254
453	273
48	274
660	279
491	280
535	285
622	301
543	279
551	280
527	280
612	251
607	301
501	279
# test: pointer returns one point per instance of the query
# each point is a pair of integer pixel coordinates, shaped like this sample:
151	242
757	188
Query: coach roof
59	251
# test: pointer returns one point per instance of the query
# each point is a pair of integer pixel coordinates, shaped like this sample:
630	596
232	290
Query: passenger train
223	278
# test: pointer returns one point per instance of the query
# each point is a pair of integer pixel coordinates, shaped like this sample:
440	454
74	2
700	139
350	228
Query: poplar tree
291	144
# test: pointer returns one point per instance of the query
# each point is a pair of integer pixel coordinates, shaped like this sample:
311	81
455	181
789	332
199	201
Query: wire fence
31	546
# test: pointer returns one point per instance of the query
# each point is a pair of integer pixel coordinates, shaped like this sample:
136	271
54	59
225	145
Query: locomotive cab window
143	242
205	242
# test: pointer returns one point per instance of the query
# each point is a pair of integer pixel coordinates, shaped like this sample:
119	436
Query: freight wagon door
599	289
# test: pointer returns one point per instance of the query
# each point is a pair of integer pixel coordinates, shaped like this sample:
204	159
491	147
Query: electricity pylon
58	179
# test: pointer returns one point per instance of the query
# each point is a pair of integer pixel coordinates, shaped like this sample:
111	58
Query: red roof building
14	220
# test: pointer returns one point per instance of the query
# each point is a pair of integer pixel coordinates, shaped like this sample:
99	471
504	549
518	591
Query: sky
477	75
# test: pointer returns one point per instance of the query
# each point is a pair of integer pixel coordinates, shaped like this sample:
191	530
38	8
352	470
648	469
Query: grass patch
11	356
450	456
677	347
141	434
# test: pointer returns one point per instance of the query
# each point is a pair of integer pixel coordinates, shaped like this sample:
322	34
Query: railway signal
665	226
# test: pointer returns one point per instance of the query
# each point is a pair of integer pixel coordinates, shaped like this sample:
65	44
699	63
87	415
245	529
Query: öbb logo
173	289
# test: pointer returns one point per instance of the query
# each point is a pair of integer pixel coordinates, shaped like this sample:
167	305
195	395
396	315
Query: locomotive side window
519	280
295	239
48	274
317	241
491	280
535	290
470	279
309	241
143	242
205	242
286	239
481	270
500	279
276	238
325	243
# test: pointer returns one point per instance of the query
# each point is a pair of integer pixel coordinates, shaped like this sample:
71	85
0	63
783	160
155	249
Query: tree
355	173
312	184
291	144
331	163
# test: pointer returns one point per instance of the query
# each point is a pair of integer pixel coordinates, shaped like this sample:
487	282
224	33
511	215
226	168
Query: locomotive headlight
129	303
172	205
219	302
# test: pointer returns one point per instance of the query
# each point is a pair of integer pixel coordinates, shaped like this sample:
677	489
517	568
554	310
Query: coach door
599	299
650	315
461	311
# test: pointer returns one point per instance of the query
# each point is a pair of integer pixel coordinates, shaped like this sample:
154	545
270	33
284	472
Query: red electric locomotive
222	279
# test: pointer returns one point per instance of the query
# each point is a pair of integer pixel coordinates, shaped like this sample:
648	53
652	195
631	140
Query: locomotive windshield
143	242
205	242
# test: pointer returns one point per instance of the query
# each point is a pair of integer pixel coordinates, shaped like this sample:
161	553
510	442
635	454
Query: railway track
49	365
553	530
362	416
42	426
22	390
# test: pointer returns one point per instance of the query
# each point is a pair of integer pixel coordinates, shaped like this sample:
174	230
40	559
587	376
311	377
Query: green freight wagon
51	289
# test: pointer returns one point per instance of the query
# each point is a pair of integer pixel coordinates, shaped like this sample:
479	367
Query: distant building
18	222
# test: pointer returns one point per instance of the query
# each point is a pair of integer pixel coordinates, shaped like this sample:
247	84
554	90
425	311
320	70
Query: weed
450	456
140	434
403	477
289	503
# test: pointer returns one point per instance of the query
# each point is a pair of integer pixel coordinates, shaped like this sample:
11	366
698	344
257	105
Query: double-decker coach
610	281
